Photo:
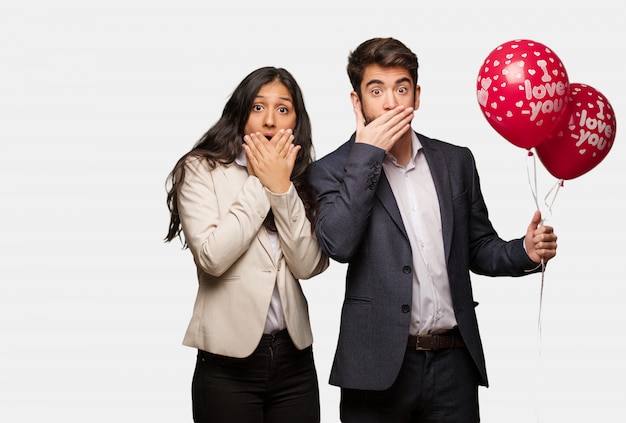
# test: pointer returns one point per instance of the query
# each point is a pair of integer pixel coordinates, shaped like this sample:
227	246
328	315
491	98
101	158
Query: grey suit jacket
359	223
221	211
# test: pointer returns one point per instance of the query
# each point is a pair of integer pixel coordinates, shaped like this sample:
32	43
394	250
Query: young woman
243	203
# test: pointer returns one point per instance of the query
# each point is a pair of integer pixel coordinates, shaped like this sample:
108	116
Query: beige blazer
221	212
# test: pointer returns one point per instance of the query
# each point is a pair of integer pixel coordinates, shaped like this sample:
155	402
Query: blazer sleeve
298	242
346	188
489	254
217	238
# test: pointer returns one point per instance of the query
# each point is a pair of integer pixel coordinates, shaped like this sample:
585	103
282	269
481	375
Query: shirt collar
416	146
242	159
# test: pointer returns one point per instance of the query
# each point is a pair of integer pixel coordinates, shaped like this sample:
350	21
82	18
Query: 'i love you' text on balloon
584	138
522	90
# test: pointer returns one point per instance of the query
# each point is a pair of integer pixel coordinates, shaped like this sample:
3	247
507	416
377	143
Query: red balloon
522	90
584	139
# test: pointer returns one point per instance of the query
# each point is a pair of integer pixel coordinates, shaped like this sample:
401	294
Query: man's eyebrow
378	81
373	82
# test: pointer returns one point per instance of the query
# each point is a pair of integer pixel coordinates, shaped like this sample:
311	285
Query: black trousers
432	387
277	383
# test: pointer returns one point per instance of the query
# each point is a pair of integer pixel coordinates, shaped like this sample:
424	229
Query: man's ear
418	90
356	101
358	110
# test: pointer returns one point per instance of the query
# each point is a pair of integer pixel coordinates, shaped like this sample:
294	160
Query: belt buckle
417	345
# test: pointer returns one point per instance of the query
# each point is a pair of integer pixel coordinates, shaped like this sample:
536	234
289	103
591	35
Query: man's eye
376	91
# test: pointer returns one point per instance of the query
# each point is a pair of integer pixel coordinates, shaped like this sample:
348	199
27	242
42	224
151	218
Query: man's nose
390	101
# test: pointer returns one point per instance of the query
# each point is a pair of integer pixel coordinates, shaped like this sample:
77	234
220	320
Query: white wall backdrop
99	99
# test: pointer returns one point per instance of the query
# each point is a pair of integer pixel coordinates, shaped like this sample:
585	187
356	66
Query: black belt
442	341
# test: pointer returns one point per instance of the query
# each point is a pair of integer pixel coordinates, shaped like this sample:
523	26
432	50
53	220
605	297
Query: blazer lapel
441	178
388	200
264	238
234	178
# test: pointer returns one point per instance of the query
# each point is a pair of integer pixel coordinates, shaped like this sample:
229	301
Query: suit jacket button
406	269
405	308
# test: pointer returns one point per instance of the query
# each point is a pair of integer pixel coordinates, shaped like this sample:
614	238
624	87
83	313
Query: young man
407	214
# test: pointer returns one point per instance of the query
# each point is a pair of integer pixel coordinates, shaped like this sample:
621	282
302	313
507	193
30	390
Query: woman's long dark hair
223	142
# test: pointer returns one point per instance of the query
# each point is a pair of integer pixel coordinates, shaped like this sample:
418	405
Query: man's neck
403	149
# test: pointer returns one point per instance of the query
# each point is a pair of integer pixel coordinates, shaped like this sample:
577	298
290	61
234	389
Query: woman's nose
269	120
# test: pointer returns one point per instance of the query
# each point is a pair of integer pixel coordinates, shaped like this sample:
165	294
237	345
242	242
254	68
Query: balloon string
543	269
548	201
532	180
539	336
531	171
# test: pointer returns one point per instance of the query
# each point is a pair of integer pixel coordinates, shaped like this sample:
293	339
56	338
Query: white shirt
415	193
275	319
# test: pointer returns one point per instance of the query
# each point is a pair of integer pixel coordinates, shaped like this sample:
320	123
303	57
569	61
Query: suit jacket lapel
441	177
388	200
